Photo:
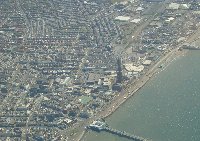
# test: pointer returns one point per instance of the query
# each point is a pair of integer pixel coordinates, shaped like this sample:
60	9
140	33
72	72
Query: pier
102	126
192	48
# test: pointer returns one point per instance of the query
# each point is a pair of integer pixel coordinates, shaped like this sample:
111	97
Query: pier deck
102	126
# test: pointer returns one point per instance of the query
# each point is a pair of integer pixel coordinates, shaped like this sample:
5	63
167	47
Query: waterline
165	109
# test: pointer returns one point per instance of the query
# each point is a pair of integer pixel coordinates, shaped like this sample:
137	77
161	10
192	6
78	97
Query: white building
122	18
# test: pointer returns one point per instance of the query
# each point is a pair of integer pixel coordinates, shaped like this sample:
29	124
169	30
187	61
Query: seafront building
60	59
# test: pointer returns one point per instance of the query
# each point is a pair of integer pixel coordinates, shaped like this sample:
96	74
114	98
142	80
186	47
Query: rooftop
131	67
123	18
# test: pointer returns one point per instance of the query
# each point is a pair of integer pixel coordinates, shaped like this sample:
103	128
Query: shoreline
141	82
133	87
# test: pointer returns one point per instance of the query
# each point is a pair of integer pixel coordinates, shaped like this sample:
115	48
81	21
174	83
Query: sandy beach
134	86
131	89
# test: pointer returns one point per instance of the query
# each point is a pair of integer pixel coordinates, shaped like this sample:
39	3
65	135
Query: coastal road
135	86
194	36
120	99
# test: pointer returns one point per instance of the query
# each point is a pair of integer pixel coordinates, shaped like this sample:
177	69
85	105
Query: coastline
133	87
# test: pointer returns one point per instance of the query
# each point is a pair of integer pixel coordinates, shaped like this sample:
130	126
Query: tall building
119	71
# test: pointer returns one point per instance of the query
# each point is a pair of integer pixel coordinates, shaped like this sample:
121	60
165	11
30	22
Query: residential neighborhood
62	61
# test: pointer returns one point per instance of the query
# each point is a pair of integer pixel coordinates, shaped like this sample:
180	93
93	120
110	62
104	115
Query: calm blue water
167	108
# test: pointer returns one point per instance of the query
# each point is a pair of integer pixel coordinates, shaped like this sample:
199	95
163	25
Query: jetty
192	48
102	126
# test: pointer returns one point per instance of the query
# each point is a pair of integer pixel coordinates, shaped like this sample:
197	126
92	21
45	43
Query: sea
167	108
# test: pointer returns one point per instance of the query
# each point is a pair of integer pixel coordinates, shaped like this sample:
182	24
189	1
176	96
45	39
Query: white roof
185	6
67	120
147	62
169	19
174	6
139	9
131	67
181	39
196	12
135	20
124	2
123	18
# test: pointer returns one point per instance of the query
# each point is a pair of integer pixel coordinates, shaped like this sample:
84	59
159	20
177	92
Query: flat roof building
122	18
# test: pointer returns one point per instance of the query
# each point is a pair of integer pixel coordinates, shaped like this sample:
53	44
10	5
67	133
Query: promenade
130	90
